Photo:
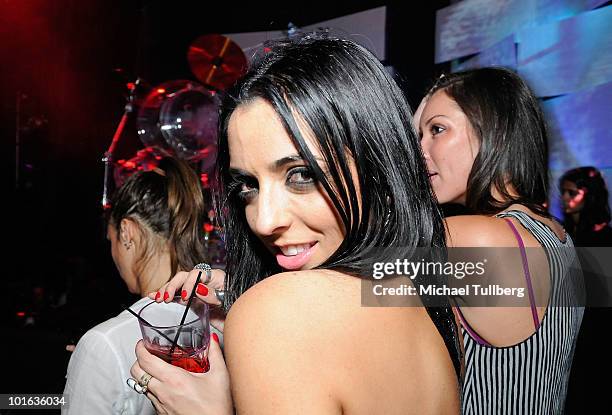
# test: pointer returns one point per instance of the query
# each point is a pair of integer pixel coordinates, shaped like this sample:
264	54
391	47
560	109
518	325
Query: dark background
60	56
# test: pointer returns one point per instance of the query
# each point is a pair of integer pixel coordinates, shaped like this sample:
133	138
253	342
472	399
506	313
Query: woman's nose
425	147
273	215
565	196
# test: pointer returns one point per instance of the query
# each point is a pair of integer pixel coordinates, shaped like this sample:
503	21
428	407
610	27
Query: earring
127	245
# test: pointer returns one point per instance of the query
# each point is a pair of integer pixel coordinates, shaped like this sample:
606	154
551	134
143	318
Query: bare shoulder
296	302
308	336
284	297
478	231
278	343
290	308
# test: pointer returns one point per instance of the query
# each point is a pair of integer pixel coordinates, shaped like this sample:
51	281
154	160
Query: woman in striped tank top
484	139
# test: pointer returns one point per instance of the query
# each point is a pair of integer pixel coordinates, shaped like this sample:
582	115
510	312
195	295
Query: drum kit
180	117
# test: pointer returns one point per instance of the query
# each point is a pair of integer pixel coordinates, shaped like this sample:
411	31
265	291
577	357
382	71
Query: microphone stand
107	159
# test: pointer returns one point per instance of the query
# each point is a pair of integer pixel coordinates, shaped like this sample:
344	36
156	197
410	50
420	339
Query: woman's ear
127	232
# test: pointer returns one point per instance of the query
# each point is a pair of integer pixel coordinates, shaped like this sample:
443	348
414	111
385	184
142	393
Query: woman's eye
300	176
570	192
246	190
437	129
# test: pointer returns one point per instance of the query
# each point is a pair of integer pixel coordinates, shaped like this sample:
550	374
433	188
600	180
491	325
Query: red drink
164	323
188	358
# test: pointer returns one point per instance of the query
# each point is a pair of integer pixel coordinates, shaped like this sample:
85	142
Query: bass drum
181	116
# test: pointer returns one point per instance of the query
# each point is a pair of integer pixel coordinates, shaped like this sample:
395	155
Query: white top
100	366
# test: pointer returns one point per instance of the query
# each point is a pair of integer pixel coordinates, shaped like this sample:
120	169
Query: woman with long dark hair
319	171
485	142
586	212
586	209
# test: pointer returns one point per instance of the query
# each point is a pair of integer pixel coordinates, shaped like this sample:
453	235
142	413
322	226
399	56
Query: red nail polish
184	294
157	295
215	337
202	289
166	295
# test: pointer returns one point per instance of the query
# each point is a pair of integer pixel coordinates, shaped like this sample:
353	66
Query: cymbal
216	61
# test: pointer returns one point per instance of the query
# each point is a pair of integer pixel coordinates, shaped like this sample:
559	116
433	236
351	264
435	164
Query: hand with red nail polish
186	282
176	391
202	290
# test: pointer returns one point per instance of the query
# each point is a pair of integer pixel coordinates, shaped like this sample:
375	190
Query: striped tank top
530	377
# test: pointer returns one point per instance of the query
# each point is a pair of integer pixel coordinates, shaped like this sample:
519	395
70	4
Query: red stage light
204	179
208	227
21	314
599	226
161	90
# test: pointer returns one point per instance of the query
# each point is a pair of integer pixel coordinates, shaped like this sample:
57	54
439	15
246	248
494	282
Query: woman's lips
297	261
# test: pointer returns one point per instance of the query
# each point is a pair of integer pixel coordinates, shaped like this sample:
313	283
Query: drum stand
107	159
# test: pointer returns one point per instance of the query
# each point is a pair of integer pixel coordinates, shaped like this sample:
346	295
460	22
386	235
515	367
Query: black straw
150	325
193	290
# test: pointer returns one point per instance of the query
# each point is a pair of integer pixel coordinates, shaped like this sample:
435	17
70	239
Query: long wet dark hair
168	206
596	208
509	124
355	110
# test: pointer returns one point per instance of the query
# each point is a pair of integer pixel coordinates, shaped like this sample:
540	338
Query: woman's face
449	145
287	210
123	258
572	196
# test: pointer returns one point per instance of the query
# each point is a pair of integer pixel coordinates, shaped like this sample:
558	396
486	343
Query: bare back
302	343
506	326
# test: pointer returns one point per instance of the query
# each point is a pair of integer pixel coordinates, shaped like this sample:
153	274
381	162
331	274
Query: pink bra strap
470	330
534	310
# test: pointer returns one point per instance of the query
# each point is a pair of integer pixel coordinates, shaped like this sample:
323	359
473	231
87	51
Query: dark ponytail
186	209
168	205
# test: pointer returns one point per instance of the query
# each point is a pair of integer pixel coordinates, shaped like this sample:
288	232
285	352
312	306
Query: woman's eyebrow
434	116
275	165
234	172
285	160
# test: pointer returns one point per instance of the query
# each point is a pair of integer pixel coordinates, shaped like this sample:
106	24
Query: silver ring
144	380
220	294
205	267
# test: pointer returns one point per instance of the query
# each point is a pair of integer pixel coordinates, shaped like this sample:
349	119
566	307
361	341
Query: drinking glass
160	324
